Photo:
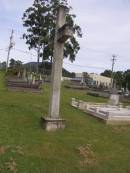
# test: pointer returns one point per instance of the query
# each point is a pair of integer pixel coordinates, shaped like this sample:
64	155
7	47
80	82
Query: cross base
51	124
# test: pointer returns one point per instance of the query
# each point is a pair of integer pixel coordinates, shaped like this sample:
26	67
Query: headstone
74	103
24	75
62	33
30	78
40	77
114	99
34	80
19	74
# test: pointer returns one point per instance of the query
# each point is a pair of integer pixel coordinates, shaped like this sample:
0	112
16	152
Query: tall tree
127	79
40	21
119	78
106	73
122	79
3	65
15	64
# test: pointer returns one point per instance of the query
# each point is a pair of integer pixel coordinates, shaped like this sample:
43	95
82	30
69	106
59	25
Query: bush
12	72
93	94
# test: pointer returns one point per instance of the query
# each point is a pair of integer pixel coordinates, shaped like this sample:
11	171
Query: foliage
122	79
12	72
66	73
40	21
14	67
107	73
3	65
93	94
127	79
15	64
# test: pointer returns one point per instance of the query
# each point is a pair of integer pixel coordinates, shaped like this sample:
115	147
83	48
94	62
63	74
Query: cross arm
64	33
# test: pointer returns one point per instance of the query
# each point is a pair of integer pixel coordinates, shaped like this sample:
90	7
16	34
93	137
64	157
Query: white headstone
114	99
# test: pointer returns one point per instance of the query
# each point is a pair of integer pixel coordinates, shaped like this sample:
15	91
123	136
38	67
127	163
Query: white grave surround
108	113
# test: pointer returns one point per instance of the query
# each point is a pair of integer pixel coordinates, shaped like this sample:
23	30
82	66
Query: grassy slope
57	152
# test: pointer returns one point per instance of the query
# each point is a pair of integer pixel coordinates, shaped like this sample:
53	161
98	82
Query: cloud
11	5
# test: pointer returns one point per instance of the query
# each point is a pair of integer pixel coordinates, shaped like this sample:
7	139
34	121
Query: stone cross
62	33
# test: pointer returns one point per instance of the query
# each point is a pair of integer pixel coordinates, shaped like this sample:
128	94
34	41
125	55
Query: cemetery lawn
85	146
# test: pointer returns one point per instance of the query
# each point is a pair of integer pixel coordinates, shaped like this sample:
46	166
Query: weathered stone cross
62	33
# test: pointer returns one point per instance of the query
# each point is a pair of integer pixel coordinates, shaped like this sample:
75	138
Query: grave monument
62	33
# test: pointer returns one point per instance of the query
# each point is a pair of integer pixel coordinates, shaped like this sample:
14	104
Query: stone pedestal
51	124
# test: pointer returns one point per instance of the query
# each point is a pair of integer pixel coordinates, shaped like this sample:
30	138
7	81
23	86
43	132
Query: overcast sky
106	31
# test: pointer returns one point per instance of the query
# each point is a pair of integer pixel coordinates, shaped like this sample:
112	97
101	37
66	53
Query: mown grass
57	152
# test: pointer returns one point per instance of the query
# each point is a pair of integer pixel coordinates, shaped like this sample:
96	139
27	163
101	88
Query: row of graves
112	112
25	81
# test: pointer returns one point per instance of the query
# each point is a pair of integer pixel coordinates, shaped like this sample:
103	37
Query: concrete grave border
108	113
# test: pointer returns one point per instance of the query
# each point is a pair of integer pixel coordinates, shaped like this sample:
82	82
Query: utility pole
112	76
11	44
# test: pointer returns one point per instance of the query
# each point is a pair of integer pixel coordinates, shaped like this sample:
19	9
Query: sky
105	26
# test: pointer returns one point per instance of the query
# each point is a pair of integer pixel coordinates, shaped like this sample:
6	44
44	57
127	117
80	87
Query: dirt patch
2	149
88	156
9	163
119	129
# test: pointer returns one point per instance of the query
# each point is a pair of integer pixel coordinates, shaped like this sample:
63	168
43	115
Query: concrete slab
109	113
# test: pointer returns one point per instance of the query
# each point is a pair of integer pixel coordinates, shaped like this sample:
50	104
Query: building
79	76
93	79
99	80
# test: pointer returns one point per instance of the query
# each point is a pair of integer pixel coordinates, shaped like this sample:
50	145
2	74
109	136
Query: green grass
57	152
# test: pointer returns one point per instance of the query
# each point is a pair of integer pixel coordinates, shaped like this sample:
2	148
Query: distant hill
45	67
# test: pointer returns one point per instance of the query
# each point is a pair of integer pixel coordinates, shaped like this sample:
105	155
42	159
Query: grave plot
19	84
110	114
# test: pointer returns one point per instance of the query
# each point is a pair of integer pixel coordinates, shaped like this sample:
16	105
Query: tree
87	78
40	21
3	65
127	79
12	63
122	79
15	64
119	78
107	73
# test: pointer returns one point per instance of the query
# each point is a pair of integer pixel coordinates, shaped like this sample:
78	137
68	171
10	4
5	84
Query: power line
92	67
25	52
97	50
